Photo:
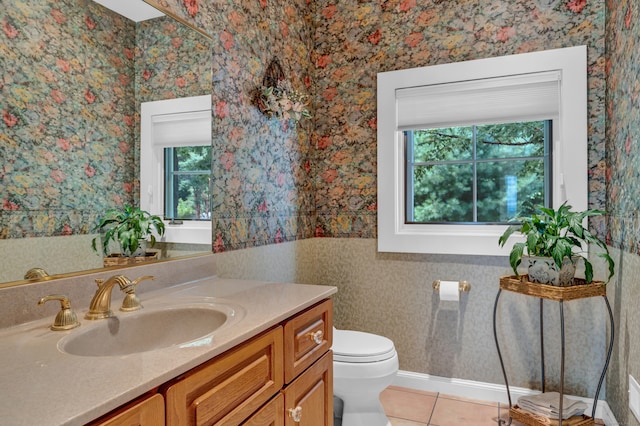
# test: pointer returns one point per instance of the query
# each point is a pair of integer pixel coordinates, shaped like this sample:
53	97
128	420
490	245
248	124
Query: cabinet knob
296	414
316	336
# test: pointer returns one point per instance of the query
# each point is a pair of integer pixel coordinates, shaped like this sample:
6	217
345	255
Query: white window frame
569	175
192	116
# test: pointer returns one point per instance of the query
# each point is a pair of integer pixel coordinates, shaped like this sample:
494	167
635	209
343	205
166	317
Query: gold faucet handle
66	318
131	301
35	273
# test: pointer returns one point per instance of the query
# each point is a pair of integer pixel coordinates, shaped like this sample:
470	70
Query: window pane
450	144
188	174
443	193
509	188
193	197
481	174
511	140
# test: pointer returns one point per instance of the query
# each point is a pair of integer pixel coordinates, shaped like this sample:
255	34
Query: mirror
73	77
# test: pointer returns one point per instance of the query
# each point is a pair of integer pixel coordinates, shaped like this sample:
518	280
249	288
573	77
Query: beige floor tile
403	422
398	388
412	406
475	401
452	412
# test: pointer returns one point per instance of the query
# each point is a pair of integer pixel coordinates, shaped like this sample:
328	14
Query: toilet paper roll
450	291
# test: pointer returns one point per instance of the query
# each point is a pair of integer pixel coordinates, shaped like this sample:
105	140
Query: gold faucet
66	318
131	301
100	306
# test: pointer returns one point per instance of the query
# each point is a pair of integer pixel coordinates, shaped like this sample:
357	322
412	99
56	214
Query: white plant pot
544	270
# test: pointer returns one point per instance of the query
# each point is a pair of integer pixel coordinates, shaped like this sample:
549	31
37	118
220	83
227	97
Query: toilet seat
358	347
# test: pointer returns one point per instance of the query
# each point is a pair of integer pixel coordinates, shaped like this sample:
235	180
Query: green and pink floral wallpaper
356	40
72	77
262	168
274	182
63	161
623	123
623	183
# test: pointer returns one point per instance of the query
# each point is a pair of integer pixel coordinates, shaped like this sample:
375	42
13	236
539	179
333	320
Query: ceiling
136	10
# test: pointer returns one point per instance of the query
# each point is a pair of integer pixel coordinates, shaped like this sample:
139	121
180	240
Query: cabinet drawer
307	337
229	388
146	412
272	414
308	400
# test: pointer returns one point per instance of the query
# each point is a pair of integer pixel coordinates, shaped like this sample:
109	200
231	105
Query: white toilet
364	365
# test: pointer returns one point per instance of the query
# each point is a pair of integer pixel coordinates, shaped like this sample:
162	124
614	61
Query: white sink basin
148	330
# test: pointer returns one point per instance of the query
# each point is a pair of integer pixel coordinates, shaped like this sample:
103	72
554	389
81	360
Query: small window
464	147
175	166
477	174
187	182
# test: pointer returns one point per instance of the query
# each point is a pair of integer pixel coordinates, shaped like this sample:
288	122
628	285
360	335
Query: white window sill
190	232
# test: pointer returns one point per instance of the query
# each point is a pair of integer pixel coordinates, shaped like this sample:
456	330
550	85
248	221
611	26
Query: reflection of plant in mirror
128	227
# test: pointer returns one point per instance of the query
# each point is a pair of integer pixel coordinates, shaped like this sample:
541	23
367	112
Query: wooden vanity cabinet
271	414
144	411
282	377
229	388
307	336
309	398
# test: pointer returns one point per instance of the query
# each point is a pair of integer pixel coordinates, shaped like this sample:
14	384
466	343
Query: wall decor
277	97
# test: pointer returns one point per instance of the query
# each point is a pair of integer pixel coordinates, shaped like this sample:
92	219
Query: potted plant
560	237
131	228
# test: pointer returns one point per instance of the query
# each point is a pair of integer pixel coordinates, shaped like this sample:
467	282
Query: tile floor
410	407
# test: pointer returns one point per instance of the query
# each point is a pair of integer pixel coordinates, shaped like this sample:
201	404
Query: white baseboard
486	391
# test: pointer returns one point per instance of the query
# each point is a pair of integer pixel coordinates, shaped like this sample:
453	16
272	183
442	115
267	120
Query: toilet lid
357	346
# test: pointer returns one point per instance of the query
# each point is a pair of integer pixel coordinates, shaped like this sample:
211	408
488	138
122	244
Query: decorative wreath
277	98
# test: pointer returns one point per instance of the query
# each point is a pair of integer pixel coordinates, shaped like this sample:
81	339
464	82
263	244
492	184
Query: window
463	147
477	174
187	182
175	166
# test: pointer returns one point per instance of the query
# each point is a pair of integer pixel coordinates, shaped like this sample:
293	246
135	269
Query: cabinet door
229	388
272	414
308	400
307	337
147	412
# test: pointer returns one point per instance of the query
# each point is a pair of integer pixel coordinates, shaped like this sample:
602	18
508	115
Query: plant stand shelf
529	419
578	291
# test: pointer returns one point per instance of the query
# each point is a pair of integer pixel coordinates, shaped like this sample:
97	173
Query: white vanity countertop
41	385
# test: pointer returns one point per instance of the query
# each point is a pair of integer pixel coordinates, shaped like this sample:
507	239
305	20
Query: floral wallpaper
60	78
262	171
277	181
274	182
623	181
623	124
69	112
355	40
171	61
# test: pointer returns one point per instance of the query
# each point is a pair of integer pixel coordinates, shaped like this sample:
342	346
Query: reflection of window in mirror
465	147
175	166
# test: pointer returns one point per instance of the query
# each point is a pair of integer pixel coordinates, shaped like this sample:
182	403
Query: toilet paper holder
463	286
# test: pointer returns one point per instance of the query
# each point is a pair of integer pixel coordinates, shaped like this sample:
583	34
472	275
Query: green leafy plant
556	234
128	227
